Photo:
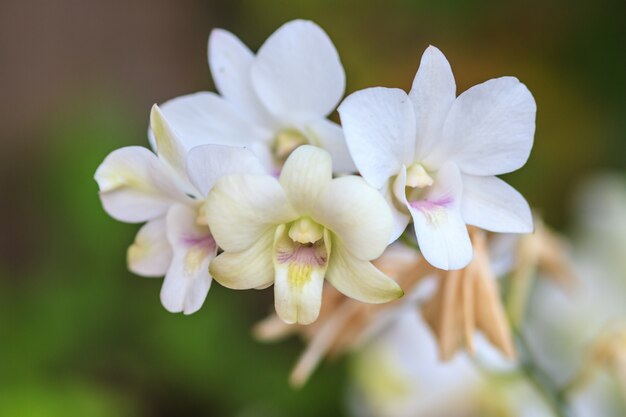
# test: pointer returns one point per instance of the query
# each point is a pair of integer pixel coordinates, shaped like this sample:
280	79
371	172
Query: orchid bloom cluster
255	186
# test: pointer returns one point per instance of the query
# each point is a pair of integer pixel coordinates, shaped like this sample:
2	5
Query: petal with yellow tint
300	270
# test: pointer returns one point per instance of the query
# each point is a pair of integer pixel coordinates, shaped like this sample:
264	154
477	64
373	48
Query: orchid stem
539	379
404	238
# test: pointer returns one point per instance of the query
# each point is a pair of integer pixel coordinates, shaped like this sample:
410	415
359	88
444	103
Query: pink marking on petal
434	210
201	242
303	254
275	172
429	205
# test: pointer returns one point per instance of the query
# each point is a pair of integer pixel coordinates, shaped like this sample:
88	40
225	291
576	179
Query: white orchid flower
580	336
435	155
272	102
299	229
138	186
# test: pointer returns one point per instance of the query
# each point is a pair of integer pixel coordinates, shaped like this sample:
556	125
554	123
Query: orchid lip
199	247
303	254
426	205
204	242
434	210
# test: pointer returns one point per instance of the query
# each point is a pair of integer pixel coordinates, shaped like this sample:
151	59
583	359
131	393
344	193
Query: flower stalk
543	384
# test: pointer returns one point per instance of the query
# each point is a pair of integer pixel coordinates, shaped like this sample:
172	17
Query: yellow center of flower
417	181
299	274
436	216
286	141
417	177
305	230
193	259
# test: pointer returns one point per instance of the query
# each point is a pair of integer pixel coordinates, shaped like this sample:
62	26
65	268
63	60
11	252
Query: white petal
299	277
399	212
441	233
492	204
357	214
187	281
398	186
432	94
207	163
240	208
491	126
231	62
205	118
168	146
297	73
136	186
329	135
445	243
359	279
264	154
379	125
150	254
305	174
250	268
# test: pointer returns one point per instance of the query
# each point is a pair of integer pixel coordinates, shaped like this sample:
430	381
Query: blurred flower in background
399	374
579	336
82	336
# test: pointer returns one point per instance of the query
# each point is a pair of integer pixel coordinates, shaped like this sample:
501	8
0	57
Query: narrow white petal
441	233
187	281
329	135
398	186
231	63
305	174
399	212
299	279
357	214
240	208
491	126
297	72
205	118
432	94
168	146
136	186
207	163
250	268
359	279
492	204
150	254
379	125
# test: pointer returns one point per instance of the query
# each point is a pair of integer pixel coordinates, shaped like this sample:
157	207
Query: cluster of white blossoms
255	186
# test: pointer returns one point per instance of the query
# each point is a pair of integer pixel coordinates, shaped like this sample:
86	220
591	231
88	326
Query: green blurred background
79	334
